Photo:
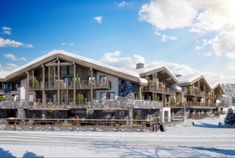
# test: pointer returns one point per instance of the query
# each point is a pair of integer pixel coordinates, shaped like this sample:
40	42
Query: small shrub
2	98
80	98
36	83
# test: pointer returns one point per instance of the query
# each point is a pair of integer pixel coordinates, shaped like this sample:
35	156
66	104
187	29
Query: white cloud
168	14
6	69
201	17
28	45
6	30
165	37
67	44
11	66
115	58
11	56
129	62
98	19
123	4
13	43
231	66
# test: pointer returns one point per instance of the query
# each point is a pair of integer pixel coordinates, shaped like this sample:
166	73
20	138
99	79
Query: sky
188	36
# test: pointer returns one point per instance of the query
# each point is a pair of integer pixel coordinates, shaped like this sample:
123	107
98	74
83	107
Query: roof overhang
162	68
197	78
97	65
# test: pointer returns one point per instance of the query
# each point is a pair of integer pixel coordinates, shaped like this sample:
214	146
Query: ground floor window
107	95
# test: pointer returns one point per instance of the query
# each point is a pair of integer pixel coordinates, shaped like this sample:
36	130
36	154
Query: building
198	96
64	85
162	87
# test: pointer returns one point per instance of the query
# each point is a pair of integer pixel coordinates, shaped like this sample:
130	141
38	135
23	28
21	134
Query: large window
107	95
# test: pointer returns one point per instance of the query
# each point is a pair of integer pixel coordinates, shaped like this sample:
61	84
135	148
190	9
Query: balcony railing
126	103
158	89
83	84
211	96
195	93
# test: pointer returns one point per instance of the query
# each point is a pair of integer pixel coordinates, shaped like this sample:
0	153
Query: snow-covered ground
205	139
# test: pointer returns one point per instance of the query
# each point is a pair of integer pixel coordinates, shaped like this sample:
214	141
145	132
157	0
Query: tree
230	118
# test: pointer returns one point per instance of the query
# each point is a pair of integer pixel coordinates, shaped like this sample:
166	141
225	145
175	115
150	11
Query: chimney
178	75
139	65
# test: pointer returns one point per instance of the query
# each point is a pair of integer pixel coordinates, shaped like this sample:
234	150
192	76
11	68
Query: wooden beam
91	71
43	85
27	96
74	84
33	79
58	85
61	64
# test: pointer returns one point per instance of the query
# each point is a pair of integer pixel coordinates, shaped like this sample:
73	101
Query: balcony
83	84
125	103
2	92
158	89
195	93
211	96
53	104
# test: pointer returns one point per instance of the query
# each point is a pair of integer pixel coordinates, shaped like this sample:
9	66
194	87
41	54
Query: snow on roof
152	68
147	69
188	78
143	81
89	60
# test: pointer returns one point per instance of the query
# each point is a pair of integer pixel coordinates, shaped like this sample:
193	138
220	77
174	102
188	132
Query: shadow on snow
8	154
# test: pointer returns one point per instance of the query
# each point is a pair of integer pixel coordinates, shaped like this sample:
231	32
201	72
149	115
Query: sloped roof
157	68
95	64
190	79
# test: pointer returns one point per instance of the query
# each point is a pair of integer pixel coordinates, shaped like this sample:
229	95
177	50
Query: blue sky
98	29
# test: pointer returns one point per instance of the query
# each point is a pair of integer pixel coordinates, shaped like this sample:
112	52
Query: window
107	95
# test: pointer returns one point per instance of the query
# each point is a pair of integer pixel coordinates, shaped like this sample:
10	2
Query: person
162	129
112	120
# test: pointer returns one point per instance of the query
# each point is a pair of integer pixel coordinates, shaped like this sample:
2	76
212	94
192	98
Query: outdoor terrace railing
200	104
158	89
80	122
83	84
195	93
126	103
211	96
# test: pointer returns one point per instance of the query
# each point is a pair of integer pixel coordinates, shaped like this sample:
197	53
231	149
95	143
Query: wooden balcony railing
195	93
211	96
83	84
158	89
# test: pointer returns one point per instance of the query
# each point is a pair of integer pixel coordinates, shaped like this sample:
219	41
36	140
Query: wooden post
27	86
58	82
43	85
74	84
140	92
33	79
91	85
49	76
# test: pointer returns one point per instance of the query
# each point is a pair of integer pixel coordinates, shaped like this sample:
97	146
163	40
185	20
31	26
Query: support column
27	87
131	117
58	82
49	76
33	79
43	86
74	84
91	85
140	92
